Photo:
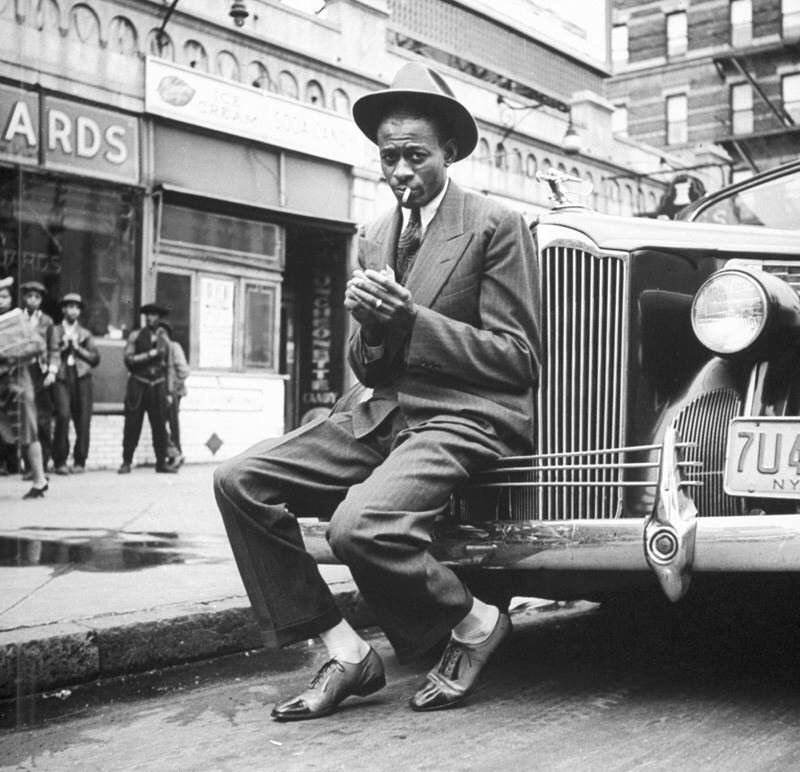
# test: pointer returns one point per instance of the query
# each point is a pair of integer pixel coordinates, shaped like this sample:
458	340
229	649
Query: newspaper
17	337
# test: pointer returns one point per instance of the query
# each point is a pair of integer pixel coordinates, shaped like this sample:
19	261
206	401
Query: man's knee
228	479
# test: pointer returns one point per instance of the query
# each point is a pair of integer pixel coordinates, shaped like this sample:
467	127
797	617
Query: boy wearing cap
72	391
149	360
180	372
446	335
43	369
17	408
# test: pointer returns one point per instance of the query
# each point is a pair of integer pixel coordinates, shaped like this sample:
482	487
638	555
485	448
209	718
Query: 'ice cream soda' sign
183	94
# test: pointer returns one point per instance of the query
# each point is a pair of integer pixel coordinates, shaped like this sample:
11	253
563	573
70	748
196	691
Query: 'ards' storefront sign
65	135
186	95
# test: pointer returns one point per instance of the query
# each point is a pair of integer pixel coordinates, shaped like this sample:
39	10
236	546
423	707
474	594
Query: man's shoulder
479	206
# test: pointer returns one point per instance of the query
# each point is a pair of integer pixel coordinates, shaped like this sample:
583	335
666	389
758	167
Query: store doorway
313	322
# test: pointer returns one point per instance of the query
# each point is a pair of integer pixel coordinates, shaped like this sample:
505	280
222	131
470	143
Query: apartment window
677	119
677	34
619	120
619	44
790	10
741	108
741	22
790	92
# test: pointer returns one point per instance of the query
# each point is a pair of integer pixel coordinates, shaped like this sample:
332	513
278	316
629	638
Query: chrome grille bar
582	384
703	425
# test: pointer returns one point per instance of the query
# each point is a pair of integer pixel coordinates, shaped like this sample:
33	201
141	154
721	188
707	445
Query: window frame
677	45
620	54
794	104
742	113
672	124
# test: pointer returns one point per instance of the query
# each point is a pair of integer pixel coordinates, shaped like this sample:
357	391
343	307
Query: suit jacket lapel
380	250
441	249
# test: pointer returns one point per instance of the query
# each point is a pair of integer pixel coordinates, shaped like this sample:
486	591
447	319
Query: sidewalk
113	574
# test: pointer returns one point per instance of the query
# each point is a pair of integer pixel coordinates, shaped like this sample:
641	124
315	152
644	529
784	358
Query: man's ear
450	151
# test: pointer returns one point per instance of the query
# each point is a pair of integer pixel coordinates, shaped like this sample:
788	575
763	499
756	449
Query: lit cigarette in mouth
406	195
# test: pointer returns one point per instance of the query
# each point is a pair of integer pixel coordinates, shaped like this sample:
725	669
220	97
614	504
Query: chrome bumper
722	544
673	542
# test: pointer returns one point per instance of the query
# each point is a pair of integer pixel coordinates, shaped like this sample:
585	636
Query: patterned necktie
407	246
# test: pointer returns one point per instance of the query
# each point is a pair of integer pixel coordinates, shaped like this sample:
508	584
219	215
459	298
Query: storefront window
259	326
73	237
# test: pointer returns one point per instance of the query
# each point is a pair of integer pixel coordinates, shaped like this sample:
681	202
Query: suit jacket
49	360
145	366
85	352
474	349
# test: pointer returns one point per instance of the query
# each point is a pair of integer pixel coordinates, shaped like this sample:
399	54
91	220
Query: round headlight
729	312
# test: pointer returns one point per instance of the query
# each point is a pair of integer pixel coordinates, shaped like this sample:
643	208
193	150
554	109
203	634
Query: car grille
581	390
789	273
578	466
703	423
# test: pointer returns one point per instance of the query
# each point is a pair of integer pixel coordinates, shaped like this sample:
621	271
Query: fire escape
776	132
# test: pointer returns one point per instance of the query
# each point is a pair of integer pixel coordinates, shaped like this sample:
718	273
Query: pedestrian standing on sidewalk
446	336
17	400
72	391
43	369
180	372
149	360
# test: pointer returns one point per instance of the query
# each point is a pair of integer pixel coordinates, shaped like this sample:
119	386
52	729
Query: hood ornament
565	187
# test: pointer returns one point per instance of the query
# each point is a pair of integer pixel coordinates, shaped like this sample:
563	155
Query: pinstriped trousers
382	493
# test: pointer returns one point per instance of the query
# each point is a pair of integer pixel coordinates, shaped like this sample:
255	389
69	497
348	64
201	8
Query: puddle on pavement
94	550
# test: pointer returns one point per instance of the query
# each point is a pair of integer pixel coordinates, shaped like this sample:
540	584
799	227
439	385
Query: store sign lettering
91	139
320	392
74	137
193	97
19	117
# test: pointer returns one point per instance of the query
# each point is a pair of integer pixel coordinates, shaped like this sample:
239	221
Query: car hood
631	233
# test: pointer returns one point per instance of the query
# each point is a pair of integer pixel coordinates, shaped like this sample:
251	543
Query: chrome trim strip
738	543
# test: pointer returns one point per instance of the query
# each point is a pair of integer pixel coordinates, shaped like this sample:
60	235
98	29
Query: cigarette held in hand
406	195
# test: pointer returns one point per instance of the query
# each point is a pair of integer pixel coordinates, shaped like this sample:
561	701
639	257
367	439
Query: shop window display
73	237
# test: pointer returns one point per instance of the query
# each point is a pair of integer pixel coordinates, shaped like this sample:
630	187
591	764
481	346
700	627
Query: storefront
71	212
252	233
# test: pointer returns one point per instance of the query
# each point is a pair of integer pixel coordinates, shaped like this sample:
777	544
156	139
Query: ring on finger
378	303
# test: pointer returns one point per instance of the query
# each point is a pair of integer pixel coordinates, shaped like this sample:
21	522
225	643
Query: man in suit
43	369
446	335
72	391
149	361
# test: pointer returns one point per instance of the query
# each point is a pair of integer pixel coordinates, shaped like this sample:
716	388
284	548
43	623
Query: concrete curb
38	659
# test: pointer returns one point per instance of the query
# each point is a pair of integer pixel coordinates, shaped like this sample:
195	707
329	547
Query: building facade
719	76
157	150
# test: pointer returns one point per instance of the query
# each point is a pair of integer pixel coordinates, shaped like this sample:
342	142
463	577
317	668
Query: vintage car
668	421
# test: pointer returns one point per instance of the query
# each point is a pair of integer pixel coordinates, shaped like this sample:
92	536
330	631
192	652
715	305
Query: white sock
478	624
344	643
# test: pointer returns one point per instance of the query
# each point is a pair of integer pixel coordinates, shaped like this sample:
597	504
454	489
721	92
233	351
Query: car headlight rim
738	322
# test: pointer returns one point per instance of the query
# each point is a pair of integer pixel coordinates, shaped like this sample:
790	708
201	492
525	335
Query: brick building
720	76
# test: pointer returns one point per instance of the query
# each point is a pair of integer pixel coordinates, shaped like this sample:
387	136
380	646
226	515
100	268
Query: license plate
763	458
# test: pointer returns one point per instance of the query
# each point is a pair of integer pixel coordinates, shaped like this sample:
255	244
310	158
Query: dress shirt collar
426	212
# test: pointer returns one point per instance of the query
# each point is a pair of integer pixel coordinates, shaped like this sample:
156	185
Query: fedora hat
32	286
72	297
154	308
415	84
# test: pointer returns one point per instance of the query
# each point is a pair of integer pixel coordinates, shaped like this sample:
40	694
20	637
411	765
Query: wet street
714	687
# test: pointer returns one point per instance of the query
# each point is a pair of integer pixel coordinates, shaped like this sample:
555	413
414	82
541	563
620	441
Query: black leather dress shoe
333	682
36	493
164	469
455	677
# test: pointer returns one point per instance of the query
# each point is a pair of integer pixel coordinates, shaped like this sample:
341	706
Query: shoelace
325	671
452	657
